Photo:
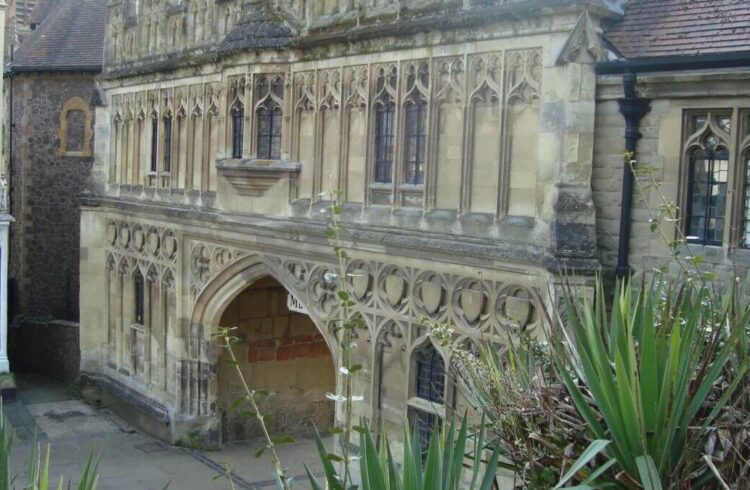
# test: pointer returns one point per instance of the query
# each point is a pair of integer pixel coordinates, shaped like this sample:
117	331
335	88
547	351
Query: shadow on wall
51	348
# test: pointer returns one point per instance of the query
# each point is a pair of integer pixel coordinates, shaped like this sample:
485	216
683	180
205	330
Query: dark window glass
237	127
416	141
269	133
430	383
384	139
138	300
425	424
746	204
167	144
707	195
154	143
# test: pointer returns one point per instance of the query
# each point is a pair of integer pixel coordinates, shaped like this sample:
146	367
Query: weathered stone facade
669	135
460	135
46	187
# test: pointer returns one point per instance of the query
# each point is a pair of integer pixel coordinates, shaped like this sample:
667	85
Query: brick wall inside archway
279	351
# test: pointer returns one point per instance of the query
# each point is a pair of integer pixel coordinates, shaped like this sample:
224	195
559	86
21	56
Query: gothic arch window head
385	119
415	123
270	95
427	401
237	115
238	127
76	128
708	178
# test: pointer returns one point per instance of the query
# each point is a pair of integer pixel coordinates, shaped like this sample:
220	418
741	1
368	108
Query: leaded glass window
416	142
430	381
238	123
167	143
708	176
429	386
269	134
745	240
138	301
415	123
384	139
270	94
154	144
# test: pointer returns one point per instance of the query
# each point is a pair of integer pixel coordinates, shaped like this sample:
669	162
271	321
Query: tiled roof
71	37
653	28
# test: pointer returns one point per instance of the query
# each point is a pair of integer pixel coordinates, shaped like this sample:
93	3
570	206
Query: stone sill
253	177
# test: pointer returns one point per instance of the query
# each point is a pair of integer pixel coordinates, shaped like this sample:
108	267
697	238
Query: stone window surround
416	403
76	104
737	143
459	89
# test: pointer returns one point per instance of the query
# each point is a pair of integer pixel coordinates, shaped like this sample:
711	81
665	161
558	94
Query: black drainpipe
633	108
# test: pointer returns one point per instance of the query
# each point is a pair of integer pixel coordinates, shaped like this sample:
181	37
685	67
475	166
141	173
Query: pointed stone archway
291	355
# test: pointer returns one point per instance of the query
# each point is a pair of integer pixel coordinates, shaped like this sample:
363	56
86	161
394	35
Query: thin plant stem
250	397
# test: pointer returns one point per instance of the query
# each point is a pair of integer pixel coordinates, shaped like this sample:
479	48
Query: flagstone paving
131	460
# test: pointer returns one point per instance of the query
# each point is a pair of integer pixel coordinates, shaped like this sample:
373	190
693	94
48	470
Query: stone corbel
584	44
252	177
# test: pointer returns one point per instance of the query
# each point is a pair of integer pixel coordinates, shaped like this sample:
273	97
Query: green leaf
336	209
355	367
648	473
343	295
586	456
260	452
335	458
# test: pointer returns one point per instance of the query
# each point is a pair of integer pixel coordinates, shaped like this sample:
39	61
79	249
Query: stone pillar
5	221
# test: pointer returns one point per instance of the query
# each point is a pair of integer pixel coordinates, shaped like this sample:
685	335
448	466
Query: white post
5	221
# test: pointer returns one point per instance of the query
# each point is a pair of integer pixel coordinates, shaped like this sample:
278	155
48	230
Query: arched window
167	143
238	125
385	128
138	300
428	399
268	110
708	175
76	128
415	122
154	143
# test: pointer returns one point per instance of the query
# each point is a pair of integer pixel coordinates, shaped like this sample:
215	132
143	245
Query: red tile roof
653	28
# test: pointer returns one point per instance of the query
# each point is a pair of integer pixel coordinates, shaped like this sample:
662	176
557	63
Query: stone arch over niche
222	289
280	351
75	108
201	373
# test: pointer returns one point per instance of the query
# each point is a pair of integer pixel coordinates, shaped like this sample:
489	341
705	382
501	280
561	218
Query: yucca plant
653	375
443	467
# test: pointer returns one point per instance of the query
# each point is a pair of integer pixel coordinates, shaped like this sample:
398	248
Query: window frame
238	128
735	146
418	405
168	141
154	161
384	160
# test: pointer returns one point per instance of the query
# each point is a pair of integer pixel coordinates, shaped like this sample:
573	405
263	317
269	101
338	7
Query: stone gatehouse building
462	136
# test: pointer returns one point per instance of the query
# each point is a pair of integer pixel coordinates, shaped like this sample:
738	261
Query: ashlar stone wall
669	134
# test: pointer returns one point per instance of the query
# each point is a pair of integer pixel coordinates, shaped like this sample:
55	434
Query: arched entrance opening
279	350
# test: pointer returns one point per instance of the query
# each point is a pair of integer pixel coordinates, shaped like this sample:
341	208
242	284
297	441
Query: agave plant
654	375
442	468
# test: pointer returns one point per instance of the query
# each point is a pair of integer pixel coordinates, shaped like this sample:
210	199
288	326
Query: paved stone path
131	460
